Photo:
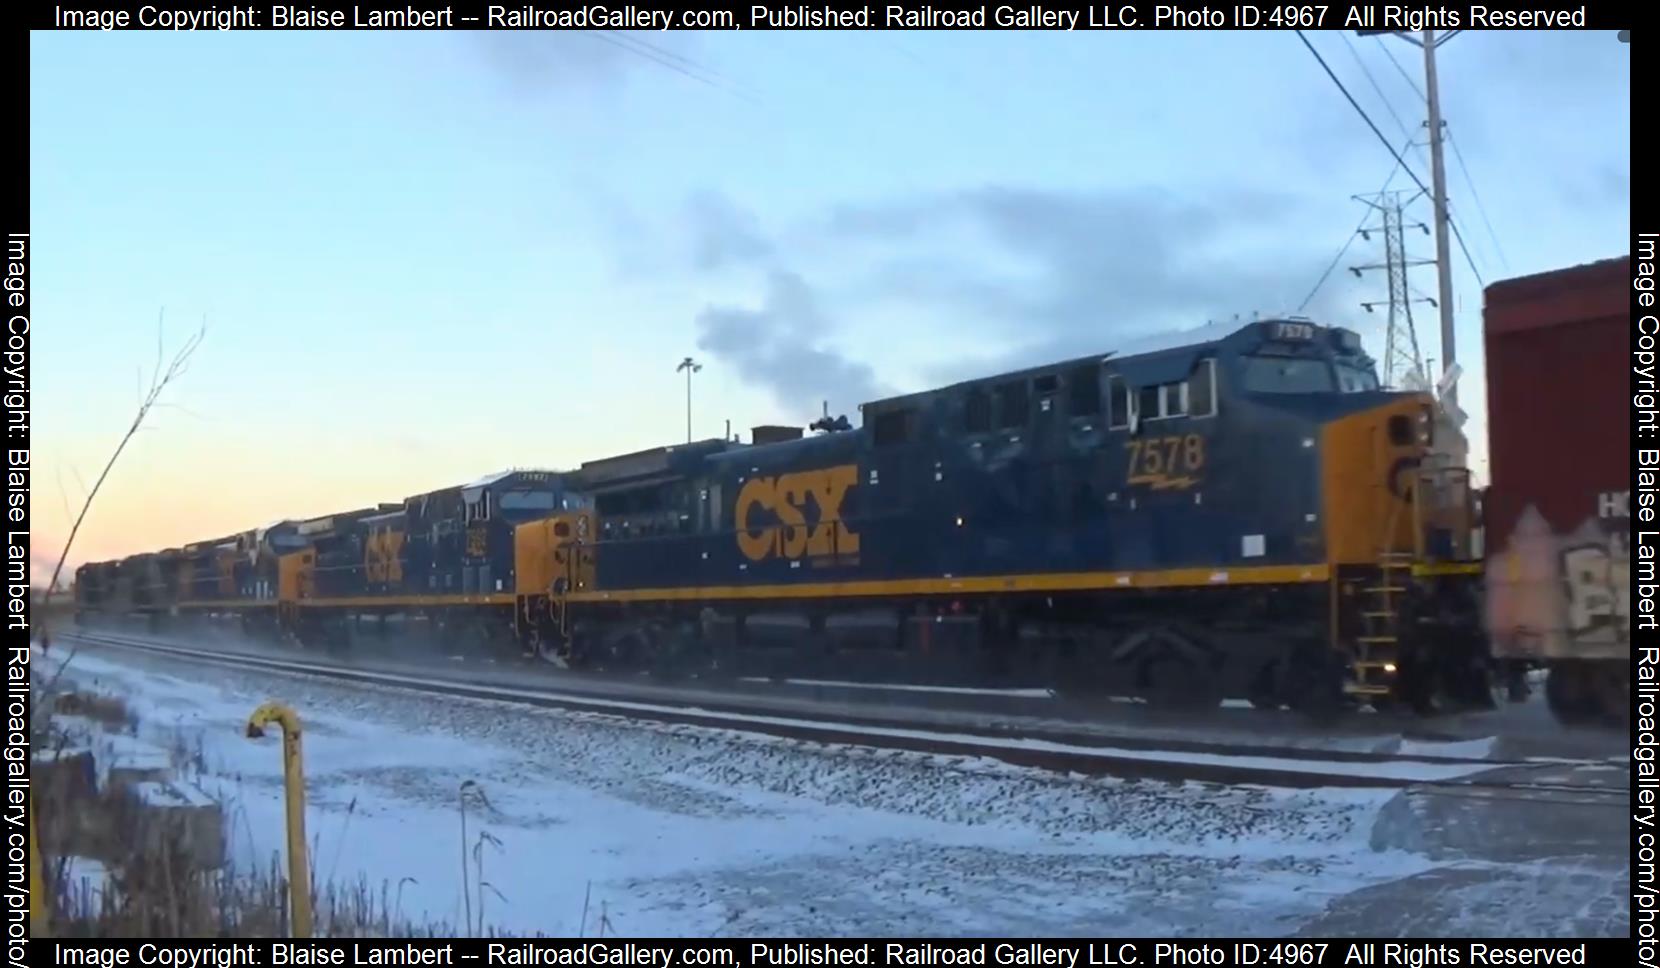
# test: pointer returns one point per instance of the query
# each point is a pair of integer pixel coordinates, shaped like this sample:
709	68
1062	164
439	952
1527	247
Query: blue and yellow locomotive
1241	513
1225	513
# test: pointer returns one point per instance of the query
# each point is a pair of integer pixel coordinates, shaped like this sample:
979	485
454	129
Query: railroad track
1044	747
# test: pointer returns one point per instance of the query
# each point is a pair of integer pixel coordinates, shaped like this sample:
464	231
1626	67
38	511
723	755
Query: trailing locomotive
1226	513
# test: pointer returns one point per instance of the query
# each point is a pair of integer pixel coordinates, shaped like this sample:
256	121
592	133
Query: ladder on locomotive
1377	650
564	556
1377	647
574	559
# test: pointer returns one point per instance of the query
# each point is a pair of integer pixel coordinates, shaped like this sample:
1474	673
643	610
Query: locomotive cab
1398	519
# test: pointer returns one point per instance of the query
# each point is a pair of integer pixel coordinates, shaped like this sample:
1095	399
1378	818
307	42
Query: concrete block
61	775
177	816
129	775
131	761
66	799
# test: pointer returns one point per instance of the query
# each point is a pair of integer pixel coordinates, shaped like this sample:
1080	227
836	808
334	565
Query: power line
1400	70
1474	194
1414	175
1324	276
662	51
1361	111
1333	267
1465	249
1367	73
663	58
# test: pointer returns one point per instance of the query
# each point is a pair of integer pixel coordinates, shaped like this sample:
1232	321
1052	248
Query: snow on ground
596	823
905	687
1474	749
1402	771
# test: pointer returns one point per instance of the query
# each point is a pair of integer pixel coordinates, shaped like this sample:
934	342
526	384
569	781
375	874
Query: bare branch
63	493
80	482
161	335
159	380
181	409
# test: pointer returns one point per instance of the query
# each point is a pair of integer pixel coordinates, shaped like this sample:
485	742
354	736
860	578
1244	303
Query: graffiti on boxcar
1597	577
1561	594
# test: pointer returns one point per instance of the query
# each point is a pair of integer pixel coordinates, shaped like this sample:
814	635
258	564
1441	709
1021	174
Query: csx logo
380	556
786	500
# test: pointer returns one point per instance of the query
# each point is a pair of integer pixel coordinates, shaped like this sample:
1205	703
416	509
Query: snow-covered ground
587	823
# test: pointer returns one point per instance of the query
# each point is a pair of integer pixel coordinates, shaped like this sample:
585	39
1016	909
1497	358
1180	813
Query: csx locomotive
1231	512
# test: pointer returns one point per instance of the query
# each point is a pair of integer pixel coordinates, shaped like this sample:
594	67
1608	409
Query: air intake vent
774	434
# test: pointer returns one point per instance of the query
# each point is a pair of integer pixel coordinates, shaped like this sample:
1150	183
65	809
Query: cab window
1084	391
977	411
1012	405
1353	379
1285	374
1201	390
1118	402
527	501
892	428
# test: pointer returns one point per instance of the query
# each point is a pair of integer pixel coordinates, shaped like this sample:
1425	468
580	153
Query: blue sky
422	257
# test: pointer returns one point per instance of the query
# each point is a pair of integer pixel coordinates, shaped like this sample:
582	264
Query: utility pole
1450	419
1443	251
690	366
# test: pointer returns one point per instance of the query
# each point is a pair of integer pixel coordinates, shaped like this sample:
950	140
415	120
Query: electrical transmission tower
1403	364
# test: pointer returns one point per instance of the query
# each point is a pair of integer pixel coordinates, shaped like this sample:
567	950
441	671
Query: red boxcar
1558	506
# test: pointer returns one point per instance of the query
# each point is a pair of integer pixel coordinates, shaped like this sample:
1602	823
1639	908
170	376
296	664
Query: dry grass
152	888
110	711
150	896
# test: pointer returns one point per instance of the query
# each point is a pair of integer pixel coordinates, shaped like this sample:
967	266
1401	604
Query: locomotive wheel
1383	704
1172	681
1466	678
668	660
625	650
1314	683
683	652
1265	690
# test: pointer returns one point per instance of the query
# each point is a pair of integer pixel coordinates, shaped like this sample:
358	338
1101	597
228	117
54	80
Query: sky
423	257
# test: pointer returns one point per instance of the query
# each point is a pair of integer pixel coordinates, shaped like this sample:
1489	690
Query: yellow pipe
40	905
299	881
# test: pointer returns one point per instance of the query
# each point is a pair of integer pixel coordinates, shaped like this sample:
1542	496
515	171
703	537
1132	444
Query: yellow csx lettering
380	556
1165	463
787	497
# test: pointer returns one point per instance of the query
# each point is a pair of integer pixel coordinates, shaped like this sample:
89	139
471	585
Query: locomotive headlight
1389	667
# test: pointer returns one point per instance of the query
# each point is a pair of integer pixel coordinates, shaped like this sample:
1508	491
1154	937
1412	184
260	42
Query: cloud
1052	274
1068	273
723	235
778	345
1613	183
